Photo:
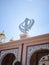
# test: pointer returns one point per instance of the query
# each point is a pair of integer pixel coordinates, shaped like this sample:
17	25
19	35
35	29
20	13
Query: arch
16	62
37	55
8	59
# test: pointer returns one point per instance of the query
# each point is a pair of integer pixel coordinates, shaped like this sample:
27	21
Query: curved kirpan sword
26	25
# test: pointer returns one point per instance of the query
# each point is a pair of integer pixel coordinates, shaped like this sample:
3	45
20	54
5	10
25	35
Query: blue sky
13	12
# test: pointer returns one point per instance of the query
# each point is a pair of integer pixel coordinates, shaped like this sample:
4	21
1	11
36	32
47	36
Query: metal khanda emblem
26	25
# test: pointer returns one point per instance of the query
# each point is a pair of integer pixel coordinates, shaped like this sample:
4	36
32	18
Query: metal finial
26	25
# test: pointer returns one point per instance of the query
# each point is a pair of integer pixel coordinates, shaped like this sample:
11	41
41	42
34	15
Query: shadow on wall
8	59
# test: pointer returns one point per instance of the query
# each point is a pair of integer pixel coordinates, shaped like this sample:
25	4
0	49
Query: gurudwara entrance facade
29	51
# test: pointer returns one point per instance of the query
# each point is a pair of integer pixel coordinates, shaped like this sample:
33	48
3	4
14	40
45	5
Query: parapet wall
24	48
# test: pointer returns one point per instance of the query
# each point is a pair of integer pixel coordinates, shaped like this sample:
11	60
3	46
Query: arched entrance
37	55
8	59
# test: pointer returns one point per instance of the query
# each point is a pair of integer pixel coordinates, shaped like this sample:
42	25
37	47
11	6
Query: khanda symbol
26	25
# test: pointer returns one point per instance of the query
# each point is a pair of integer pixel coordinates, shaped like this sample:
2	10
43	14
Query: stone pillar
24	36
